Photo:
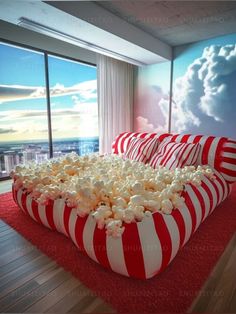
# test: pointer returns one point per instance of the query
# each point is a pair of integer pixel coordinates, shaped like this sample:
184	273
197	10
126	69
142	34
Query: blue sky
26	67
70	72
157	75
18	66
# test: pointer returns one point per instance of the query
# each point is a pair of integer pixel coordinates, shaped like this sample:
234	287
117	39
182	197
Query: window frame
47	85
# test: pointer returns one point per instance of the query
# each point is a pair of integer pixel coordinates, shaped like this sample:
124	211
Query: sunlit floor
5	186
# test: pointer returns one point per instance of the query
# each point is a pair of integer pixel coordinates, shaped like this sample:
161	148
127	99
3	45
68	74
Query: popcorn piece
70	170
139	213
166	206
147	213
84	207
166	193
176	186
177	201
137	200
152	205
98	185
209	173
119	201
114	228
137	188
84	192
104	195
129	215
101	214
43	200
118	212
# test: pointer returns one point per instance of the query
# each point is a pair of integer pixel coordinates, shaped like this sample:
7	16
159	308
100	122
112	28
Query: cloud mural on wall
204	98
150	107
151	104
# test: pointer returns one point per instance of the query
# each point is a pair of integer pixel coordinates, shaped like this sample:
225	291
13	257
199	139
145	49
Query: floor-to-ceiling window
25	106
74	110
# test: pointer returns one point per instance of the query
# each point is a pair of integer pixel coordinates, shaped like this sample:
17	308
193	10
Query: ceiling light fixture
45	30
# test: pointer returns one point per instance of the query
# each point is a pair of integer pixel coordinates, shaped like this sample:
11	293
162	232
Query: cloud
33	124
204	97
85	108
42	130
85	91
15	92
6	131
16	115
143	125
151	109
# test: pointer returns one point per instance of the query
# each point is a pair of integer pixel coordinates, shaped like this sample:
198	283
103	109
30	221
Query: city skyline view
13	153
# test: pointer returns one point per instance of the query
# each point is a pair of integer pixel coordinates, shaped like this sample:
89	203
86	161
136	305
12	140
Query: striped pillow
175	155
121	142
141	149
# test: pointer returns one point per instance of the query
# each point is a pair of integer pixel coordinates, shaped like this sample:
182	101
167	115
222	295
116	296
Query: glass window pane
23	107
74	109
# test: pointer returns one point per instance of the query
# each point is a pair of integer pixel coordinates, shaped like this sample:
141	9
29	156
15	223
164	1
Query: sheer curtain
115	100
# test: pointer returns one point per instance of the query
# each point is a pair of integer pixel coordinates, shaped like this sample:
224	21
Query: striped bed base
145	248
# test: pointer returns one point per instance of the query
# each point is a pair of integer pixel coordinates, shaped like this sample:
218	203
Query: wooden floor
218	295
31	282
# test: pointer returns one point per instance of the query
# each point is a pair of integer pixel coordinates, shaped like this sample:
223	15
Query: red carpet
172	291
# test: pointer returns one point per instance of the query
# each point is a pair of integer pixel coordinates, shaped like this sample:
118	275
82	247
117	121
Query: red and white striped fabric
175	155
119	146
141	149
145	248
218	152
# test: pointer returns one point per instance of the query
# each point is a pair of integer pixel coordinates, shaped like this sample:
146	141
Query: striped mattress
145	248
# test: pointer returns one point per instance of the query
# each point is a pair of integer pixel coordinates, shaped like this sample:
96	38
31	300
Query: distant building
28	155
2	168
40	157
57	154
10	160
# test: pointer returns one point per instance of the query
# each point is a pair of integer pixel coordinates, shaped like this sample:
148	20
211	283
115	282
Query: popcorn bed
114	191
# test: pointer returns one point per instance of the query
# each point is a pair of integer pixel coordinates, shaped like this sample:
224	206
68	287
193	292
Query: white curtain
115	100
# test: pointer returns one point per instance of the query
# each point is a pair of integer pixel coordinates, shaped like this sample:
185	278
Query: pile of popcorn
114	191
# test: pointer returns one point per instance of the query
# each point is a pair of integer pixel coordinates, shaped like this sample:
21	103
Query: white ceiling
138	46
143	31
177	22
